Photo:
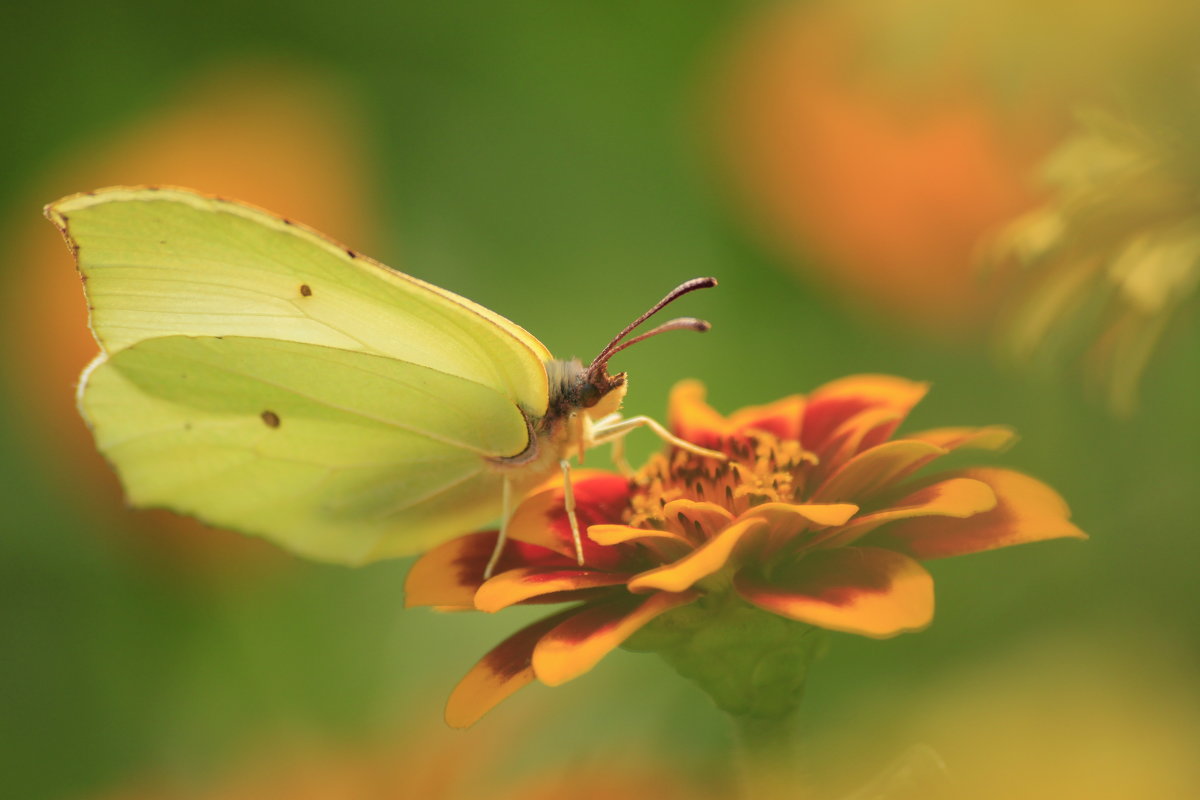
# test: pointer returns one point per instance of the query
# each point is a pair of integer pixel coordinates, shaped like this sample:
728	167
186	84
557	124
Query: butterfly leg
618	458
618	444
569	505
505	513
612	431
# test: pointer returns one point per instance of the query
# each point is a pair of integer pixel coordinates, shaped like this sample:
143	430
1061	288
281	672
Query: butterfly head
573	389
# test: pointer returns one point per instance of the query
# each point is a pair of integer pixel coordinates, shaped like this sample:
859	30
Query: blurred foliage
557	163
1112	258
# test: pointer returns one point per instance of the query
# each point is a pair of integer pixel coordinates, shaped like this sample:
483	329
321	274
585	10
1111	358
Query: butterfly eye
589	394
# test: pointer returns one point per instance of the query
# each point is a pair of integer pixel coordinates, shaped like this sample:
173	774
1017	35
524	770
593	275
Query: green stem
768	756
753	665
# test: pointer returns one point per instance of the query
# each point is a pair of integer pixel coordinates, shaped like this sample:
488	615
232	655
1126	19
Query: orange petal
710	557
787	521
610	535
691	418
501	672
1027	510
449	574
834	403
874	425
782	419
991	437
518	585
578	644
791	518
541	517
861	590
874	469
956	497
696	519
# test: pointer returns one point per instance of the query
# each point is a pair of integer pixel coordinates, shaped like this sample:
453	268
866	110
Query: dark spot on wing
351	253
305	290
287	221
271	418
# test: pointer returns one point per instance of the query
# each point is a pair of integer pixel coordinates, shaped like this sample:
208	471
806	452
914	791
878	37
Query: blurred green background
565	164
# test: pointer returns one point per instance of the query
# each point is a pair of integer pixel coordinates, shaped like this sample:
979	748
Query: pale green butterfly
262	377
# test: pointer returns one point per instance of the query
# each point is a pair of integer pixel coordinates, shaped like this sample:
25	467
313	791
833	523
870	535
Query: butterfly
264	378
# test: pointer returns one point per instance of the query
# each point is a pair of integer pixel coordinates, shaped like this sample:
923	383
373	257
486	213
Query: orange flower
817	517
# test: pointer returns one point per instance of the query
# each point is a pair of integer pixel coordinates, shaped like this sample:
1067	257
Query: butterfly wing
163	262
338	455
261	377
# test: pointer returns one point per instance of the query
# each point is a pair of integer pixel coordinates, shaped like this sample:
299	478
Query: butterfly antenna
680	324
683	323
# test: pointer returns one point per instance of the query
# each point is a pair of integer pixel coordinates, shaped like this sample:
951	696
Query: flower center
760	469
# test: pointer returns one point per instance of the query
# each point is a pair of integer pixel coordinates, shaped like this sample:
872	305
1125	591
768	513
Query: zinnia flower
817	517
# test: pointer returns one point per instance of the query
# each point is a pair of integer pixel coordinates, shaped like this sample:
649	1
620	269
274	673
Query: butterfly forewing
161	262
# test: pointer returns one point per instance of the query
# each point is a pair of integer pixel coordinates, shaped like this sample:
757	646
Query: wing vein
396	509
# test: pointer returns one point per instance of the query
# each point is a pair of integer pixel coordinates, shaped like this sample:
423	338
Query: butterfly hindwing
339	455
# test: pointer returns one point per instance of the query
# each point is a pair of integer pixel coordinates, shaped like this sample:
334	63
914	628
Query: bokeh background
843	168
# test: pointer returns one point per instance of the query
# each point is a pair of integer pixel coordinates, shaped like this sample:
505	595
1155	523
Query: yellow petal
789	523
577	644
448	575
831	405
609	535
782	419
1026	510
991	437
700	563
956	497
861	590
872	389
518	585
875	469
873	424
498	674
789	515
691	418
696	519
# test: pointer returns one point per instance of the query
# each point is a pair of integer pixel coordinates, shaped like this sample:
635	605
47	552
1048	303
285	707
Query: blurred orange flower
878	177
816	517
431	766
274	134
